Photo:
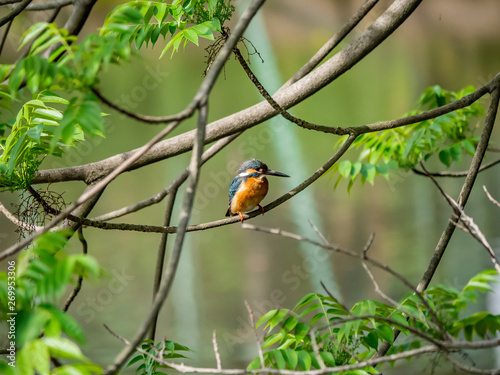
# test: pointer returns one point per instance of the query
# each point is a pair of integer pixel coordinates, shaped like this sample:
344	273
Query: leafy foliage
449	136
345	337
40	129
149	366
142	22
42	276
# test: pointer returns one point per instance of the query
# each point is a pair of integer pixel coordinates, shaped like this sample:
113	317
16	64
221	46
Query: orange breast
249	195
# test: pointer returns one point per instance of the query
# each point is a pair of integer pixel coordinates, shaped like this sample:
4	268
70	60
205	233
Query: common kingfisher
249	187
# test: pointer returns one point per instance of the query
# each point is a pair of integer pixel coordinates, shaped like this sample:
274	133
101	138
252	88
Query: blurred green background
452	43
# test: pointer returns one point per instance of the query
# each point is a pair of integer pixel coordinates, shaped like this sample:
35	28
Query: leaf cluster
448	136
42	276
345	337
45	126
142	22
149	366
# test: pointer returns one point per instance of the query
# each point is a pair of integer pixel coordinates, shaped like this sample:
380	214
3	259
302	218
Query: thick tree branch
296	93
224	127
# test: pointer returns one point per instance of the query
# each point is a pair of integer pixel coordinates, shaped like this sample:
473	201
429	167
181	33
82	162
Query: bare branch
257	341
456	174
160	258
493	200
78	285
312	335
4	36
216	350
153	120
468	223
16	221
377	287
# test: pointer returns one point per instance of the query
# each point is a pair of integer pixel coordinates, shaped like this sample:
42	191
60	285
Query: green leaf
63	348
385	332
345	168
291	357
301	330
371	340
304	360
444	157
191	35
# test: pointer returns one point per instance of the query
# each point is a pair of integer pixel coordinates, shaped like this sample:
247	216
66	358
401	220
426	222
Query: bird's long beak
274	173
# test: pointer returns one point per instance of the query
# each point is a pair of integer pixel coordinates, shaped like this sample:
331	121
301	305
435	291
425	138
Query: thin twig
78	285
368	244
346	309
468	223
216	350
312	335
493	200
16	221
160	258
257	340
455	174
4	36
362	257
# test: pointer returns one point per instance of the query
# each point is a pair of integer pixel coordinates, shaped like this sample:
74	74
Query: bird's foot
241	216
262	209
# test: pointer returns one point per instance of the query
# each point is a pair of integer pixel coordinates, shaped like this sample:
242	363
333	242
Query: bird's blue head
256	166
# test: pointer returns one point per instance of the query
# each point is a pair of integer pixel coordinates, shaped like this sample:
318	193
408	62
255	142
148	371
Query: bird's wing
233	187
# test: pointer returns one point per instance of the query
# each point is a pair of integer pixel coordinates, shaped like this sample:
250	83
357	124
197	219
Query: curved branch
296	93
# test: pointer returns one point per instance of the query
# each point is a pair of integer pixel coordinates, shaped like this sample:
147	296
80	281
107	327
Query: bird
249	187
